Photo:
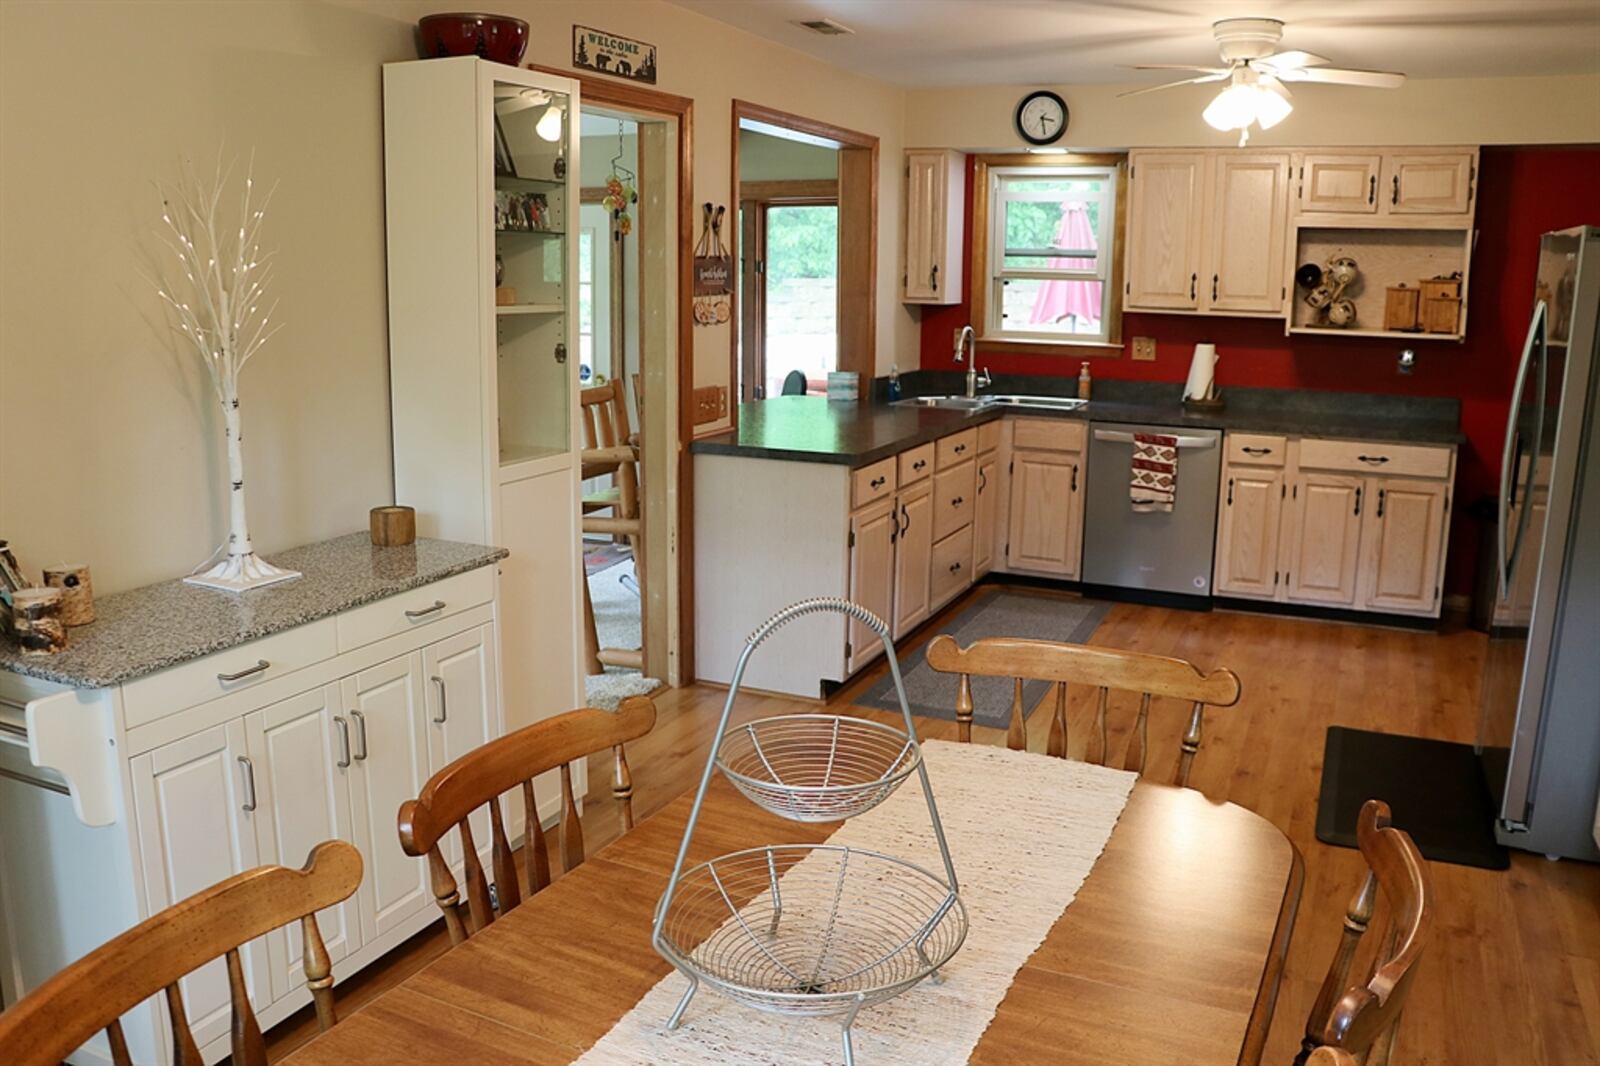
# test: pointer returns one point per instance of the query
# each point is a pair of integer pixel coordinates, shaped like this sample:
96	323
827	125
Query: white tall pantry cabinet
480	173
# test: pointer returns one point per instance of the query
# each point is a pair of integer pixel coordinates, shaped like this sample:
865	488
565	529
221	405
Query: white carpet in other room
616	621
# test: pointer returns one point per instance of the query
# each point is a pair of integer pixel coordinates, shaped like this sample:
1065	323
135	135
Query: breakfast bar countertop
814	429
143	630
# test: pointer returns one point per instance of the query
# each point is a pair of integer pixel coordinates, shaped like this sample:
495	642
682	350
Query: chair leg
591	639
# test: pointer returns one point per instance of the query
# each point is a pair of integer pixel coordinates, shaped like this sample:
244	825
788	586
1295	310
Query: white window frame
1103	255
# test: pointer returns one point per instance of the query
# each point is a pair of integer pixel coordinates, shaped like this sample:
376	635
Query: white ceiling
1064	42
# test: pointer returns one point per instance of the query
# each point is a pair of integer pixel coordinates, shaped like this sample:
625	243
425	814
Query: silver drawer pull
249	783
261	664
344	741
444	709
361	734
438	605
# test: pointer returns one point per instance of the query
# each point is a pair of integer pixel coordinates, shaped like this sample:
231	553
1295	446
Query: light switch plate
1144	349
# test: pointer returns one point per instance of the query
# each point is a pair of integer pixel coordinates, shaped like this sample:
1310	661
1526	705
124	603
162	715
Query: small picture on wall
503	164
521	211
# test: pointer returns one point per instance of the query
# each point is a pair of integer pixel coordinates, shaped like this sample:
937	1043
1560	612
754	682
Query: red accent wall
1522	192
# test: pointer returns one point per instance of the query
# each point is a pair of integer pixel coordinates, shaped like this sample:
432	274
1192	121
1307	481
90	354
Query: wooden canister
77	593
1401	308
36	621
393	527
1440	314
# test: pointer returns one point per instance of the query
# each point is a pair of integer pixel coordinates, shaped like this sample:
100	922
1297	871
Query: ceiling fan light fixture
1241	105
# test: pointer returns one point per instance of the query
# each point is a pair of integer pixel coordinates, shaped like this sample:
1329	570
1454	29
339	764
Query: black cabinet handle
1230	492
1256	451
1358	501
1214	287
960	448
1074	478
1372	189
1194	279
983	481
905	520
877	482
933	276
1374	460
1381	494
958	501
919	464
955	567
1394	197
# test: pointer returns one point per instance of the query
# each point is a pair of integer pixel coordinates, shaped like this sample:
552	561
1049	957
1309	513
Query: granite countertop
814	429
144	630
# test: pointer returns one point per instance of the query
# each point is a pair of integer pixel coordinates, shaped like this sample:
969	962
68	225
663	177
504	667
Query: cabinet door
301	759
983	517
1245	232
1429	183
872	537
389	700
1323	558
926	207
1165	209
1339	184
1404	545
196	823
1046	521
1247	534
912	551
459	673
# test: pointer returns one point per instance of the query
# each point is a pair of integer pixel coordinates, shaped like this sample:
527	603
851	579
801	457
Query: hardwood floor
1513	975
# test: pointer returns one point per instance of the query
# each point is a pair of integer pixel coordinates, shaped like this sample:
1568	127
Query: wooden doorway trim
858	234
633	98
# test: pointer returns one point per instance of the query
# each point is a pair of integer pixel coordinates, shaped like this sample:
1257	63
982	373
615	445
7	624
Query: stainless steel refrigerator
1540	727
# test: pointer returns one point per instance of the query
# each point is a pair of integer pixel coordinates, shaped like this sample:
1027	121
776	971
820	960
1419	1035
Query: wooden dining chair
1331	1056
1362	1019
610	447
1076	664
95	992
479	777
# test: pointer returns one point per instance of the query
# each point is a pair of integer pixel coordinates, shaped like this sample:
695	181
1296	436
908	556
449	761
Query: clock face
1042	117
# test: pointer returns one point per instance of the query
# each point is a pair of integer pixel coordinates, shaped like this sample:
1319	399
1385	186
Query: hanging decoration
216	288
620	192
713	270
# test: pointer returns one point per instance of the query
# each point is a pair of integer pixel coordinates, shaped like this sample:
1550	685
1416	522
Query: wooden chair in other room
611	447
1077	664
478	778
1361	1019
93	993
1331	1056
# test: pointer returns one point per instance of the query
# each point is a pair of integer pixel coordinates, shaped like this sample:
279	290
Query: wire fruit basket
811	930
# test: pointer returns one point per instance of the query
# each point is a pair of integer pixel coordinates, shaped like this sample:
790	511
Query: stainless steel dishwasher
1164	554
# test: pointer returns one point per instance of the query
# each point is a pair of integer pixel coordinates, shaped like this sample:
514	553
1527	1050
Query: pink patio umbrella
1079	299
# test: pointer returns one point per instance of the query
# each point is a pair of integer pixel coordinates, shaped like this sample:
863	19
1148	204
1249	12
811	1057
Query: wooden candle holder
36	621
393	527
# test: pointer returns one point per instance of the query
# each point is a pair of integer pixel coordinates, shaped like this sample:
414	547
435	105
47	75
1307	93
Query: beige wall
110	450
766	158
1549	110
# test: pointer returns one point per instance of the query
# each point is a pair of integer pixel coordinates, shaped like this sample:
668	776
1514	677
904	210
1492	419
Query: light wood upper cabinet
1429	183
936	206
1403	544
983	519
1166	210
1247	531
1339	183
1245	232
1322	565
1046	523
912	555
872	541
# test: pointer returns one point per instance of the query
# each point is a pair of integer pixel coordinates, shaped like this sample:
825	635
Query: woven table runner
1024	831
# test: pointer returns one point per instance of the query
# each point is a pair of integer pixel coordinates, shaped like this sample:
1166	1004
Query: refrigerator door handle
1505	560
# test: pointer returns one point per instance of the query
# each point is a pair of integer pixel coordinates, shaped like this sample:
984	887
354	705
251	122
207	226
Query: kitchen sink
955	403
1050	403
979	403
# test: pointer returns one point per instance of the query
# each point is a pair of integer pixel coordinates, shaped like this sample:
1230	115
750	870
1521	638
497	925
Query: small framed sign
607	53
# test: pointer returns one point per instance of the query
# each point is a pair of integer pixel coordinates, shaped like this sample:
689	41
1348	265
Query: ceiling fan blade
1291	60
1183	66
1267	81
1371	79
1175	84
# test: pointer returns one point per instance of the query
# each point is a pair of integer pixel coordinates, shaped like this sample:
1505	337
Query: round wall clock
1042	117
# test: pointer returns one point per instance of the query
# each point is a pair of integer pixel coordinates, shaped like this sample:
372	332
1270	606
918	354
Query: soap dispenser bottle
894	382
1084	381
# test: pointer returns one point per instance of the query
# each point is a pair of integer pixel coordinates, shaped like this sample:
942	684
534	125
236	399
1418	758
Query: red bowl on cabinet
497	38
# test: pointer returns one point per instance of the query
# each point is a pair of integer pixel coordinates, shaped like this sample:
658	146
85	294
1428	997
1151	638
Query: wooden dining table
1171	950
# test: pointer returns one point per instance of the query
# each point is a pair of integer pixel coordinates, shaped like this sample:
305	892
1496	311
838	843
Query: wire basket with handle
813	930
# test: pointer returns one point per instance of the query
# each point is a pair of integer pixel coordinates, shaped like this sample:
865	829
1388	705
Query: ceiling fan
1255	73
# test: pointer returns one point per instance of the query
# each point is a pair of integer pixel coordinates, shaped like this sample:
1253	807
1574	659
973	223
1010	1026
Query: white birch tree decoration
216	285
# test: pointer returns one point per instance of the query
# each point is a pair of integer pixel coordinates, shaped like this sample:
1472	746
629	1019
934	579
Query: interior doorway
807	251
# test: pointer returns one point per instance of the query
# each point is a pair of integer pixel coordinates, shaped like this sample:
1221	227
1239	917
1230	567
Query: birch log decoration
217	293
36	621
77	592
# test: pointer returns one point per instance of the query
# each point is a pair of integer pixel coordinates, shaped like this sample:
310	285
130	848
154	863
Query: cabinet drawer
1047	435
146	699
415	609
1258	449
957	447
872	483
988	436
916	464
1412	460
952	567
955	498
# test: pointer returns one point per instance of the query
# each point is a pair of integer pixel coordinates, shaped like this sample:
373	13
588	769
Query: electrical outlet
710	404
1144	349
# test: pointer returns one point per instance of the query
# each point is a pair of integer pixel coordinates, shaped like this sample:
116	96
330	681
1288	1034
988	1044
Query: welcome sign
606	53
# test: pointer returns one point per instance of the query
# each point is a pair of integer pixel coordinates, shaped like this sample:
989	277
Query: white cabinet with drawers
245	756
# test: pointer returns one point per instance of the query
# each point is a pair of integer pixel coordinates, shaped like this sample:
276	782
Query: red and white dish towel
1153	478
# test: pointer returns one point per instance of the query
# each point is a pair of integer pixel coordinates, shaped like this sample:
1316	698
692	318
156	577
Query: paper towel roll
1200	372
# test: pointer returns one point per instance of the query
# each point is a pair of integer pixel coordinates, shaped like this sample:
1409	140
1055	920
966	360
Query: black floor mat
1435	789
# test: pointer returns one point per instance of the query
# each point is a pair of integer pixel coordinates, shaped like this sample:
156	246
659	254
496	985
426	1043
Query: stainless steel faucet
967	352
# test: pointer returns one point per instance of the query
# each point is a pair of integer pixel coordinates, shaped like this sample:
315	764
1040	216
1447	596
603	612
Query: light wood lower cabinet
912	558
1045	531
984	515
872	542
1303	521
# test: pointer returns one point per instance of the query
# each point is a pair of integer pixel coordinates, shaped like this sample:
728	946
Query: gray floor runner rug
1003	613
